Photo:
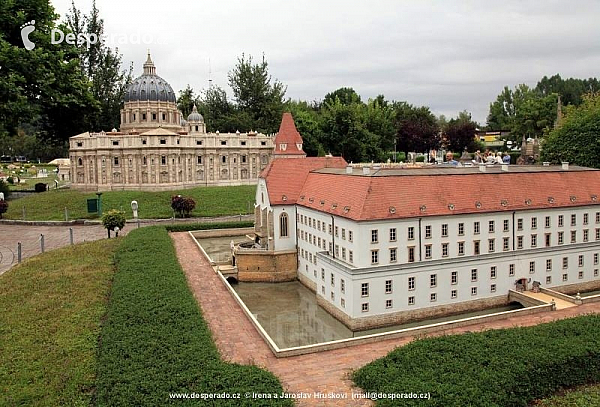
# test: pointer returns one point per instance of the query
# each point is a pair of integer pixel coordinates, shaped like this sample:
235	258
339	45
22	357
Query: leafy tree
460	133
186	101
259	99
346	96
113	219
3	207
571	90
102	66
576	140
4	189
183	206
308	124
219	114
416	128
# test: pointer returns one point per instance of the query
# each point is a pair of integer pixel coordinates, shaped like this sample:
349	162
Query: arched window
79	161
283	225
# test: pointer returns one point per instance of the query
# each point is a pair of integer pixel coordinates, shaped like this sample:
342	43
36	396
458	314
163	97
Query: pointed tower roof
288	141
149	68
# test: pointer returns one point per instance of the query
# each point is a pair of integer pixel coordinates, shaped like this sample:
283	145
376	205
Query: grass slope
510	367
580	397
210	201
155	341
50	312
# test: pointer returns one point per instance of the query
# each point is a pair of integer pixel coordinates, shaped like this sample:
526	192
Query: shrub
3	207
4	189
204	226
154	340
508	367
183	206
40	187
10	180
113	219
420	159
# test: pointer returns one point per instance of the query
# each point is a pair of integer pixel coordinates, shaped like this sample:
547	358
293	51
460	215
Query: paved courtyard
238	340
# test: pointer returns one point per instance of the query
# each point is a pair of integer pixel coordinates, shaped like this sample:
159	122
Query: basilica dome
149	87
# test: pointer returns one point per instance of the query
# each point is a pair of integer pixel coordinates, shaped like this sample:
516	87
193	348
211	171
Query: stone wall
573	289
397	318
268	266
308	283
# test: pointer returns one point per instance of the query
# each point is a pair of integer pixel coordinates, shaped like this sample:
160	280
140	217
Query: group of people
489	157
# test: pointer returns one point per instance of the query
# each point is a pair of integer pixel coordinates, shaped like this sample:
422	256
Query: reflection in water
290	314
218	248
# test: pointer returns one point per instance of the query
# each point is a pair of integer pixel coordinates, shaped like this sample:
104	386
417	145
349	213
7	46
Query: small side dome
195	116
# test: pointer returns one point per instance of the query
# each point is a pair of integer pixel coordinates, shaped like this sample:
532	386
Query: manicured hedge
184	227
510	367
155	342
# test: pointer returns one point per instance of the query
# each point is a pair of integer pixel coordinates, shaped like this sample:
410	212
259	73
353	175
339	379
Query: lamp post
134	208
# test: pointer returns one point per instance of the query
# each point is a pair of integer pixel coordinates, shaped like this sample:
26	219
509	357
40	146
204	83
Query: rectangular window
491	226
453	294
565	277
163	141
343	231
565	262
332	296
433	297
350	256
461	229
586	218
533	240
374	235
595	272
115	143
506	225
411	283
392	234
393	255
343	253
548	279
580	261
573	219
428	232
511	270
388	286
374	256
597	234
337	231
411	300
493	288
473	290
519	242
520	224
343	286
428	251
595	258
337	250
573	236
444	249
493	272
433	280
332	280
388	303
491	245
531	267
445	230
533	223
561	221
597	217
364	289
561	237
163	160
547	224
199	159
580	274
505	243
323	274
547	239
454	277
365	307
586	235
461	248
473	274
476	247
411	254
349	234
223	142
411	233
476	228
548	264
323	290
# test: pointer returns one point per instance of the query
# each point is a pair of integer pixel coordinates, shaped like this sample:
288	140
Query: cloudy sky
450	55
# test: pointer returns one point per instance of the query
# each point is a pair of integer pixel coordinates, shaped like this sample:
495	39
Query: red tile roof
394	197
289	136
286	176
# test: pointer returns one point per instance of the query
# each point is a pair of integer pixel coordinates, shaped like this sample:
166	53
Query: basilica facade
157	149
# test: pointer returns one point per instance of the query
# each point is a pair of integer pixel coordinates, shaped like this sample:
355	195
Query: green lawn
50	312
155	341
580	397
495	368
210	201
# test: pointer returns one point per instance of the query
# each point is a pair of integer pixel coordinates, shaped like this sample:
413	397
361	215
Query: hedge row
155	342
510	367
184	227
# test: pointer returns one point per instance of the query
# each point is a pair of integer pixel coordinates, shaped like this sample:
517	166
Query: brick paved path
238	340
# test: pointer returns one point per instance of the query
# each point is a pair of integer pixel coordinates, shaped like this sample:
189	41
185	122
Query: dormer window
283	146
299	146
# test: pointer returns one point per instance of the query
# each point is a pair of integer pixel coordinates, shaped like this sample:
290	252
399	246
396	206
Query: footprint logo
27	29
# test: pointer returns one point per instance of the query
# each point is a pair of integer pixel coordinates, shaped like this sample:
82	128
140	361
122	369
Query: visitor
506	158
450	159
478	159
499	158
490	158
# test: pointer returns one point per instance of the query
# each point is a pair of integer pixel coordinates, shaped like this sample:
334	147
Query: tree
3	207
416	128
576	139
112	220
460	133
346	96
183	206
308	124
186	101
255	95
219	114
